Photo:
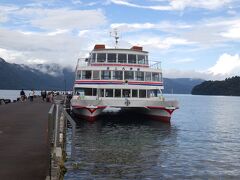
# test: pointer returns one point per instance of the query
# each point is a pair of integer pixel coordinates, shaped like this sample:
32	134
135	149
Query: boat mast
114	34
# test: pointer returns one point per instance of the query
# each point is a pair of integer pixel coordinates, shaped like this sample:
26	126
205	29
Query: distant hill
15	76
52	76
228	87
180	85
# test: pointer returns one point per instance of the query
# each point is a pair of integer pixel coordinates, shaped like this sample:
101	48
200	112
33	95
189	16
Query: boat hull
160	113
87	113
151	113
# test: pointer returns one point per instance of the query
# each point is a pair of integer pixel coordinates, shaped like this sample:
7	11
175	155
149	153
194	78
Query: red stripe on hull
164	119
84	107
91	117
87	118
170	111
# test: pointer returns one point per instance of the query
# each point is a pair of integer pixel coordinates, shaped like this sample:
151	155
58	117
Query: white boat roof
134	49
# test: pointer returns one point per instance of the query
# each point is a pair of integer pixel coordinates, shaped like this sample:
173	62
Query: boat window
101	92
148	93
128	75
117	93
79	75
112	58
122	58
141	59
118	75
142	93
155	76
79	91
139	76
86	74
101	57
134	93
94	91
156	92
93	57
109	93
96	75
132	58
106	75
86	91
160	78
147	76
153	93
146	59
126	92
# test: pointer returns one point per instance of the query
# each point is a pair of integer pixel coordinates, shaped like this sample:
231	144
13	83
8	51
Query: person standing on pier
22	95
44	95
31	94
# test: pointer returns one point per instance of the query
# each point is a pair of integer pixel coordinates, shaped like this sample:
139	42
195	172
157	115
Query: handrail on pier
57	120
73	124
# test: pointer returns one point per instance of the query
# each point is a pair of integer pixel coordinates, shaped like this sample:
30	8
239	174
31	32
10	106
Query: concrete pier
24	147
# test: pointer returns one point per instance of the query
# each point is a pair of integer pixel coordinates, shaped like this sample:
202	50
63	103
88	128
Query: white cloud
233	32
156	42
227	65
3	17
213	32
77	2
23	48
176	73
36	61
205	4
82	33
52	19
4	12
58	43
162	26
10	55
58	31
227	28
183	61
177	4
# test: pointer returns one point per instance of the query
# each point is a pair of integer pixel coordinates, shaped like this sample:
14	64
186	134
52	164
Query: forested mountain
53	77
15	76
180	85
228	87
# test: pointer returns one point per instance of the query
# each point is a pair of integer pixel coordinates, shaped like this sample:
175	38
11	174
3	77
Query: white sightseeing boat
119	78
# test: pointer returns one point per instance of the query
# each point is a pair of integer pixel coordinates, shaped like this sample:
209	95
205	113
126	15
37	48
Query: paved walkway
23	140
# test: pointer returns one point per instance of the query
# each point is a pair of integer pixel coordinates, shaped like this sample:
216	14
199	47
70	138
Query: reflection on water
202	142
121	147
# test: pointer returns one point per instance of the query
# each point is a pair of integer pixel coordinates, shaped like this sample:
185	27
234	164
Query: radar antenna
114	33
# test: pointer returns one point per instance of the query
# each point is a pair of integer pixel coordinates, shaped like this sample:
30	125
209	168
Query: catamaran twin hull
120	78
156	110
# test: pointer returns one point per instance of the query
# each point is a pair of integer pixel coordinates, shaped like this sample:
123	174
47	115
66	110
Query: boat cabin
118	93
101	55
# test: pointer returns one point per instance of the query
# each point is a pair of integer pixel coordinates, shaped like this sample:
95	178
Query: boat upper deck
128	57
134	57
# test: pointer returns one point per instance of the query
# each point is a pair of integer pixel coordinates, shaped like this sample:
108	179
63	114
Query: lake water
14	94
202	142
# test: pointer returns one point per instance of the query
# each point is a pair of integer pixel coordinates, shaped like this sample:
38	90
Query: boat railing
155	64
83	62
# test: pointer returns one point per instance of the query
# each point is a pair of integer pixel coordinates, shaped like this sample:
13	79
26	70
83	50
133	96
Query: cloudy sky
192	38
